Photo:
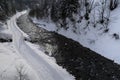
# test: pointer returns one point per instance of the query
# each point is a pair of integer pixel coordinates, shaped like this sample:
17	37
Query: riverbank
83	63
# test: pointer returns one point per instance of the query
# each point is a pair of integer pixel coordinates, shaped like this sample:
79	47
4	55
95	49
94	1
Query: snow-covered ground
20	53
10	61
104	44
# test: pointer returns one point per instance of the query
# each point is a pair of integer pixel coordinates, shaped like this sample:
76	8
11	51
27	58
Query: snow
9	61
106	45
44	66
102	43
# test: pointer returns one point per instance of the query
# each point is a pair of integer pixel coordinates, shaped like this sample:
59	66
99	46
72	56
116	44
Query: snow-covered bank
45	67
93	38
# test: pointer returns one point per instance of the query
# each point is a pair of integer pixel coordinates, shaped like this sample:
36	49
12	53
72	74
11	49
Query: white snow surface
44	66
104	44
10	60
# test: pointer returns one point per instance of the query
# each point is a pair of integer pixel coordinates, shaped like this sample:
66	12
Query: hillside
59	40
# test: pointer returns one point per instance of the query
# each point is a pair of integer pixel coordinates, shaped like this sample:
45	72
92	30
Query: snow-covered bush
116	36
21	73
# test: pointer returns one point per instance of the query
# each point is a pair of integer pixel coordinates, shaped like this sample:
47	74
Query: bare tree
89	5
104	13
21	73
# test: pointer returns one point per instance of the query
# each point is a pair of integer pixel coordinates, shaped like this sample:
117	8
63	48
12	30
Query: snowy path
46	68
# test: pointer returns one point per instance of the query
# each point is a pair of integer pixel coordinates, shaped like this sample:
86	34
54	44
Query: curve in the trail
44	67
